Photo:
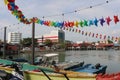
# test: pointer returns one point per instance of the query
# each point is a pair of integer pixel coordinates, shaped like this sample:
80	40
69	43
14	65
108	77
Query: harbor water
111	58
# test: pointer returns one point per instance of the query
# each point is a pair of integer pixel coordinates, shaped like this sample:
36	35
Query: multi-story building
61	36
55	36
14	37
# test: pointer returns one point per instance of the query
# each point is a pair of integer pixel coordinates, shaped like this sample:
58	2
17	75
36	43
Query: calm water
110	58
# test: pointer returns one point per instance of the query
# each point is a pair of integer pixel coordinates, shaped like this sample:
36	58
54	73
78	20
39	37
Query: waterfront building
14	37
55	36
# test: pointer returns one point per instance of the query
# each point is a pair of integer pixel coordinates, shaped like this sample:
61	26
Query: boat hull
32	75
39	76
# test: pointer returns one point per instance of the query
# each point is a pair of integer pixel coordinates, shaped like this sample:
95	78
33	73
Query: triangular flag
89	33
79	31
96	35
100	36
82	32
93	35
104	36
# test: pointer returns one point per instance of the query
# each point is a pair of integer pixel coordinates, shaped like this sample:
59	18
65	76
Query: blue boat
95	69
75	66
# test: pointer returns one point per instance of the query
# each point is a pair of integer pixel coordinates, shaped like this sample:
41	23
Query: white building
54	36
14	37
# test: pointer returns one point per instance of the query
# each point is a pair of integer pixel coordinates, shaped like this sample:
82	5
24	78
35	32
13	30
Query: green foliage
48	42
26	42
62	45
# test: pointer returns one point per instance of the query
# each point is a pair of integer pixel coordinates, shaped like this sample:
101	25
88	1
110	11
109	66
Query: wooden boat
95	69
66	75
47	58
114	76
74	66
31	73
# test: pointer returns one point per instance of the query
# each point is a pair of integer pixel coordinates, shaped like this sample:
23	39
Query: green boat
46	73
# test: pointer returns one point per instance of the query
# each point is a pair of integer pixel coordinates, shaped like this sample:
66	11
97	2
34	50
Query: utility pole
33	43
4	45
42	39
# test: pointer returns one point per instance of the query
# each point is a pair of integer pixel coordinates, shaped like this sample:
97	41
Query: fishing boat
80	64
32	72
95	69
47	59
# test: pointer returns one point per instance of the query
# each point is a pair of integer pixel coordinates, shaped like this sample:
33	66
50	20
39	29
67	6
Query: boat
47	59
20	60
113	76
32	72
73	66
95	69
51	59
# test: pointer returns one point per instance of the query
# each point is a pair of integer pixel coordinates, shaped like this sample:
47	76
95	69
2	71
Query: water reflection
109	58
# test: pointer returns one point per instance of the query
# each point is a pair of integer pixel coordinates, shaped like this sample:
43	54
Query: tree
48	42
26	42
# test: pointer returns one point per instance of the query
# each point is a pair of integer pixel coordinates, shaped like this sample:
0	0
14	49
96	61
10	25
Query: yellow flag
6	2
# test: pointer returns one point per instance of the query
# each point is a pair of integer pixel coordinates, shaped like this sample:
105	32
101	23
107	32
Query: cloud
40	8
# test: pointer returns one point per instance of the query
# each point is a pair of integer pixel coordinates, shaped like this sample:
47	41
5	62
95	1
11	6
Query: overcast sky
40	8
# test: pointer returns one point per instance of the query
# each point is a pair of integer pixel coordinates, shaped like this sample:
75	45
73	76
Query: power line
89	7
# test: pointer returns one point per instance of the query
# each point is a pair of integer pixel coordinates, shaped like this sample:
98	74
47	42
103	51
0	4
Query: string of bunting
90	34
20	16
63	24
